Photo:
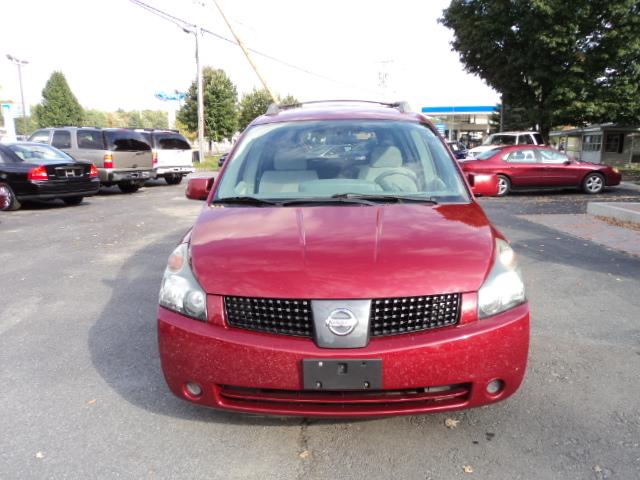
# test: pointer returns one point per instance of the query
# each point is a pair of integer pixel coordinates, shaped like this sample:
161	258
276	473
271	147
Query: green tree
253	105
94	118
59	105
154	119
220	99
256	103
25	125
514	118
559	61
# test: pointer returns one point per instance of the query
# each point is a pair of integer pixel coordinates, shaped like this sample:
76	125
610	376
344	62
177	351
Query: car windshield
322	160
498	139
39	153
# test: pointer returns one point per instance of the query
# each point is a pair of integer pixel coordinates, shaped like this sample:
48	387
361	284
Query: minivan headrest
288	161
386	156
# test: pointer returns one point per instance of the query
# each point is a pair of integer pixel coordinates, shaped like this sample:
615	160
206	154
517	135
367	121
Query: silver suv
123	157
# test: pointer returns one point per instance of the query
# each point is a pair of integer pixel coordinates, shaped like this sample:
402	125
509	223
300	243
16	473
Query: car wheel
593	183
71	201
173	179
504	185
8	200
129	187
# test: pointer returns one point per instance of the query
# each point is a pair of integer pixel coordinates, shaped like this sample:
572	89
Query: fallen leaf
451	423
467	469
304	454
92	402
40	455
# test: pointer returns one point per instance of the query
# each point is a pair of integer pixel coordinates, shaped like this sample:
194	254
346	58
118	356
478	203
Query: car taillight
38	173
108	160
93	172
154	158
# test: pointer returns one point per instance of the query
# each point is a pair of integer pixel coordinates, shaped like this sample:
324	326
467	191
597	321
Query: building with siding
607	143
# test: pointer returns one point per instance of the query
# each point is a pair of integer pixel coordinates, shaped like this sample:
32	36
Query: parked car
171	153
123	157
353	285
541	167
459	149
506	138
32	171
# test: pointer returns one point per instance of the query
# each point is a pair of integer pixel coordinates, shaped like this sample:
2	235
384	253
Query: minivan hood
340	252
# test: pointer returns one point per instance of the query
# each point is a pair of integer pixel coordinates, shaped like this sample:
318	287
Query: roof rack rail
401	106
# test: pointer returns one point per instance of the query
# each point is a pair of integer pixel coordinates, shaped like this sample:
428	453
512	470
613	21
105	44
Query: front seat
288	173
386	160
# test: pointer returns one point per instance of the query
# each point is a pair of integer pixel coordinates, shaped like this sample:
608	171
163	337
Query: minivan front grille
275	315
389	316
393	316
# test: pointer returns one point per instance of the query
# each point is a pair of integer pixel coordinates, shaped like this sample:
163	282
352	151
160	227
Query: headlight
615	170
180	290
503	288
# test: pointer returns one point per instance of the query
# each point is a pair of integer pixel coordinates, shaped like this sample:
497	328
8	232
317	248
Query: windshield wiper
381	198
259	202
332	199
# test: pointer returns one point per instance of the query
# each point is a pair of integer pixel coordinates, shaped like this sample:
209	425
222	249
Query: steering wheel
380	179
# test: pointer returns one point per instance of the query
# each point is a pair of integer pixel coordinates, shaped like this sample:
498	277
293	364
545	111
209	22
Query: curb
622	211
630	186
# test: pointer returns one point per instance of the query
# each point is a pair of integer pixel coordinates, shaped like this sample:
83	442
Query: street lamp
20	63
196	33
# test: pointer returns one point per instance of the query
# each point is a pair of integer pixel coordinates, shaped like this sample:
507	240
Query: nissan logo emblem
341	321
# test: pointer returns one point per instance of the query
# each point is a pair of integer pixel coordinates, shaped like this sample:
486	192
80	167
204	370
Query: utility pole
19	63
246	53
197	31
501	113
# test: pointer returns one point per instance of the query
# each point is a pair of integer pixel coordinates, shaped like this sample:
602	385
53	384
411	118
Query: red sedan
341	266
527	166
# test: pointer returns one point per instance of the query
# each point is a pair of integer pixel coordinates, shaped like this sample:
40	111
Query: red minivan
341	267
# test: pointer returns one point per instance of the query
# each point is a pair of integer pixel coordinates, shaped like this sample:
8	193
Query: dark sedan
528	166
34	171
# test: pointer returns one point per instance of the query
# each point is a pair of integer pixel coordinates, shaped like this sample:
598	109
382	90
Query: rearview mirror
199	188
483	184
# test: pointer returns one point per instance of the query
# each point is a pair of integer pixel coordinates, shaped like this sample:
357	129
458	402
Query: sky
115	54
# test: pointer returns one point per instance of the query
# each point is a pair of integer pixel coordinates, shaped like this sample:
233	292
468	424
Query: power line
183	23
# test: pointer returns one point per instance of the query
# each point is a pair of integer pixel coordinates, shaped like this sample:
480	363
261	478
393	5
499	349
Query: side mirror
199	188
567	162
483	184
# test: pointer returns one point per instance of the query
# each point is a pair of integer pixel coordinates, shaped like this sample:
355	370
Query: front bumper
438	370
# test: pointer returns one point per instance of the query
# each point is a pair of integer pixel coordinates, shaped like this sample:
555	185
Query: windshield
324	159
40	153
498	139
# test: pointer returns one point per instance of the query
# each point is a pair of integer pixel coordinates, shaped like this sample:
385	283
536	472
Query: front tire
8	200
72	201
173	179
504	186
129	187
593	184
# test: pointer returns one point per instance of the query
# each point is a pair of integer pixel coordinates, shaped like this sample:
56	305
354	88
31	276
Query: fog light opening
494	387
192	389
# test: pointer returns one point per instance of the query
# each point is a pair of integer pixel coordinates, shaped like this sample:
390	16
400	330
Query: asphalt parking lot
83	395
